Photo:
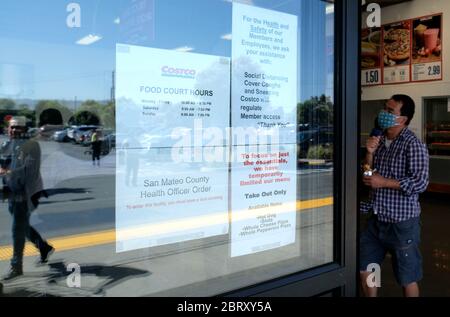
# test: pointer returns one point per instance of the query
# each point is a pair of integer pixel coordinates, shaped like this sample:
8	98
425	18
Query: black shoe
13	273
46	251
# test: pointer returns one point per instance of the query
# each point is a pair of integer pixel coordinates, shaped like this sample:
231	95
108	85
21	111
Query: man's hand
4	171
372	144
375	181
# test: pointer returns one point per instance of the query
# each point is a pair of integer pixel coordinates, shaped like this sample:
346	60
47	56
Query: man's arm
416	180
372	145
392	184
377	181
417	175
369	159
28	171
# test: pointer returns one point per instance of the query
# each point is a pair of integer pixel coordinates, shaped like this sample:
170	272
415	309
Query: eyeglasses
387	109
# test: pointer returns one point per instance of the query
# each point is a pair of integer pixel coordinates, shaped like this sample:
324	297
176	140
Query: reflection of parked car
108	143
107	137
78	133
85	138
33	132
47	130
70	132
310	136
110	140
61	136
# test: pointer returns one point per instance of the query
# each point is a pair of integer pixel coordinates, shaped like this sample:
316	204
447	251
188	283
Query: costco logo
168	71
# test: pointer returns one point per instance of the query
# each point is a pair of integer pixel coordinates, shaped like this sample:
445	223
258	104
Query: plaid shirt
405	160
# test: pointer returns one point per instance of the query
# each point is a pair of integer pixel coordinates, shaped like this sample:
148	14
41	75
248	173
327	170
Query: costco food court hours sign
402	52
167	190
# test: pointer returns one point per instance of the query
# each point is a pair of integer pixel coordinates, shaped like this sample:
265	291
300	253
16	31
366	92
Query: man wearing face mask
401	164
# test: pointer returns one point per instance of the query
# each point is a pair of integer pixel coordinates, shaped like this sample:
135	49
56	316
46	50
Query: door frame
338	278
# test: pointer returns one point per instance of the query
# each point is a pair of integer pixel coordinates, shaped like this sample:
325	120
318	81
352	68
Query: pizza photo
397	44
397	51
398	35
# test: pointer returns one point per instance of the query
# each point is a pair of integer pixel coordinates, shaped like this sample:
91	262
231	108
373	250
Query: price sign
427	71
396	75
371	57
371	77
427	49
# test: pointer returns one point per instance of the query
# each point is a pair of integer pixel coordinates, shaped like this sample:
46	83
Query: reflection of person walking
132	159
23	185
402	164
96	147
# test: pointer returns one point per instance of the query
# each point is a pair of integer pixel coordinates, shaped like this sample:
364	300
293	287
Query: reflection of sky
50	65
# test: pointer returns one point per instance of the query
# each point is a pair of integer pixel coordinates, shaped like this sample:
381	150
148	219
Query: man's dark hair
408	106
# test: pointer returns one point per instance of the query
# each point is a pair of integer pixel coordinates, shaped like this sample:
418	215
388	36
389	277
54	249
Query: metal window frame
341	275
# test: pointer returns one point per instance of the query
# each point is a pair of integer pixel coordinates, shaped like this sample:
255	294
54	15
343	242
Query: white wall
408	10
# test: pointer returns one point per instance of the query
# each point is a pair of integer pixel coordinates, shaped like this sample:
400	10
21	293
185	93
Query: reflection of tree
85	118
44	105
212	78
99	113
7	104
317	111
9	107
27	113
50	116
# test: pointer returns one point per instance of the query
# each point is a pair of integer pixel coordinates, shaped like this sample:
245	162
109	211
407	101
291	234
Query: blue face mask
387	120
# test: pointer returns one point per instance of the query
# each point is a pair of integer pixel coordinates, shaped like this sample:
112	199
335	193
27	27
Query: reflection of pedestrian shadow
54	282
60	191
114	275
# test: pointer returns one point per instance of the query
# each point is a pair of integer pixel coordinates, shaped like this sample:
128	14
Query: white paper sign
171	176
264	85
427	71
160	202
396	75
163	92
264	191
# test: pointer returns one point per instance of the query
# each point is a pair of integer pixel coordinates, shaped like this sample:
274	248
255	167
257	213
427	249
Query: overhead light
117	21
89	39
227	37
184	49
330	9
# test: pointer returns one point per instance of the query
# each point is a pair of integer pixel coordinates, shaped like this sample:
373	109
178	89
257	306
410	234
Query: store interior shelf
440	134
439	146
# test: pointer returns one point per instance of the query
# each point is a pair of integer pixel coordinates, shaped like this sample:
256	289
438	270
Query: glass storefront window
185	148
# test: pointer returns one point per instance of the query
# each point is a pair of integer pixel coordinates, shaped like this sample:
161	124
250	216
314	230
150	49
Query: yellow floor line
109	236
